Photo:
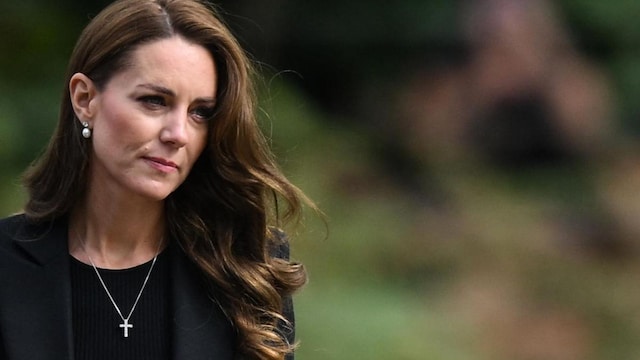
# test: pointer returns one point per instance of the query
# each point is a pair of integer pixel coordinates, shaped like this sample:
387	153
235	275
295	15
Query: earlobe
82	92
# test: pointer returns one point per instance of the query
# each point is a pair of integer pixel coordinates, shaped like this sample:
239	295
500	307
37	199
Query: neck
117	233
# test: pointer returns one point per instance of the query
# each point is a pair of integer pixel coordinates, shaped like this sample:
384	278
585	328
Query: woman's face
150	120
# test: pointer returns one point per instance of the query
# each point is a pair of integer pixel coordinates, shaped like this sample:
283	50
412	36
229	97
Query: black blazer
35	299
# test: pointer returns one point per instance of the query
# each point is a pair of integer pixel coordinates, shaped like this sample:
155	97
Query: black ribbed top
96	323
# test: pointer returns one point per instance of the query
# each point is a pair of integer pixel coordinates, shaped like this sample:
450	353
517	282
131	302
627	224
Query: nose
174	131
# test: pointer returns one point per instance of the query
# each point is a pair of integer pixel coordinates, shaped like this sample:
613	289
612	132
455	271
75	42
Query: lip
161	164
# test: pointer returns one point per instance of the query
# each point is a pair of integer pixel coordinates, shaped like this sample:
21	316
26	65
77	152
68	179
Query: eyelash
203	113
153	100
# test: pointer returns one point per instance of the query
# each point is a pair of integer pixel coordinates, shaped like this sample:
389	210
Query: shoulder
20	227
20	230
12	230
11	227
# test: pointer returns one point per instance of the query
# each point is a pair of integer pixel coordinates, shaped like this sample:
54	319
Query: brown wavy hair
222	215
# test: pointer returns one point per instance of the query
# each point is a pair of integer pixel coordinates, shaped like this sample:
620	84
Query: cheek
116	126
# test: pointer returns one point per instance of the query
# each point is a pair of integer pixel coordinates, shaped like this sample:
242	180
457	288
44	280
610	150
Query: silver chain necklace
125	320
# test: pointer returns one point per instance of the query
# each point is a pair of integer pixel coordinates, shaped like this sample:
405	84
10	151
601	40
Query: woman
147	232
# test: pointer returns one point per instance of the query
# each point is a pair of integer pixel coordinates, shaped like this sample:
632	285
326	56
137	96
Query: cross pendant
125	327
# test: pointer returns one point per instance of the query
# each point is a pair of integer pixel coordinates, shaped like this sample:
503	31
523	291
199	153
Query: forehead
173	62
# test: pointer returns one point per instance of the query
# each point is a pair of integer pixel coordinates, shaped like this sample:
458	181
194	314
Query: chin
155	192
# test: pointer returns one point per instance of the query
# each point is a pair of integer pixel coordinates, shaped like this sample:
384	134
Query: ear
83	92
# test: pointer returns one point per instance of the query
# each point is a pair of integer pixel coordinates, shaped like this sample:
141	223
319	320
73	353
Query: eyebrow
169	92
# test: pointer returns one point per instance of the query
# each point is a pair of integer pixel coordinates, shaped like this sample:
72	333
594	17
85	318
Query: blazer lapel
36	308
201	330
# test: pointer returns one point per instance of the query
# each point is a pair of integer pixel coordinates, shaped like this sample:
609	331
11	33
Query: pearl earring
86	132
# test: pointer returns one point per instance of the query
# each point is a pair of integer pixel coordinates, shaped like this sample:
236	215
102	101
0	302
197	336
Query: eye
203	113
152	101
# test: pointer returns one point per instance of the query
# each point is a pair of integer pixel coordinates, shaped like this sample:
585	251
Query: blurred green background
477	160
